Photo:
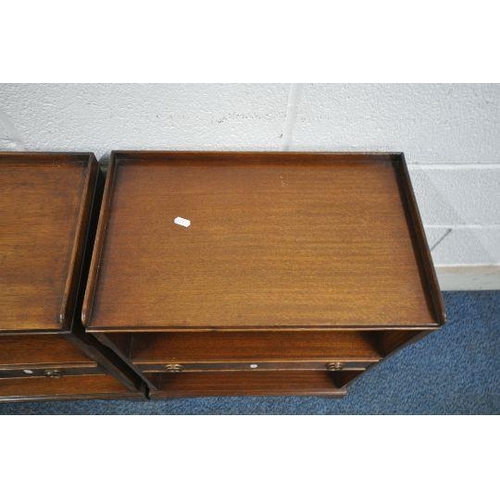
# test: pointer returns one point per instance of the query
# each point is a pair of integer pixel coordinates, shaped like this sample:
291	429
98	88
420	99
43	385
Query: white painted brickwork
431	123
462	204
449	133
100	118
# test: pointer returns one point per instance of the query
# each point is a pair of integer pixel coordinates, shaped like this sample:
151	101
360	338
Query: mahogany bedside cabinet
45	214
258	273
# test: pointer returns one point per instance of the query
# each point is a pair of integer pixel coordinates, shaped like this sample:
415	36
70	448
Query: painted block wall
450	134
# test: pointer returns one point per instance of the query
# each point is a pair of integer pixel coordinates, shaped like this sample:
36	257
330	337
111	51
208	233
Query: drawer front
45	351
91	386
331	366
264	383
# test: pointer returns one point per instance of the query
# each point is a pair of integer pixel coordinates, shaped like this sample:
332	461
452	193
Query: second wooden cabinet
47	221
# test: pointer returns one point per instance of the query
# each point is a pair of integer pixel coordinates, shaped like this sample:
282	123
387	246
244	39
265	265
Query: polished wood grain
184	347
292	261
278	383
68	387
44	204
48	212
25	351
277	241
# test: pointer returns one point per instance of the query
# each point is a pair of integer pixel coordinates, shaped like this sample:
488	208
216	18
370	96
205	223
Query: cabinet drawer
95	386
331	366
40	351
265	383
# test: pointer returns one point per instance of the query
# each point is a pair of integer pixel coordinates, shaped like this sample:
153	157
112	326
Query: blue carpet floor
453	371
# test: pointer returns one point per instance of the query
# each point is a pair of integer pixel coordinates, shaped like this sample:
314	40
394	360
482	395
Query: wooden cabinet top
44	205
260	241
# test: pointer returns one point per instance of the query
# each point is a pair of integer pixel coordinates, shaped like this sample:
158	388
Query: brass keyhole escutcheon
334	366
173	368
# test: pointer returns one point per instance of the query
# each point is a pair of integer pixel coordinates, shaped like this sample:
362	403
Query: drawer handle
53	373
173	368
335	366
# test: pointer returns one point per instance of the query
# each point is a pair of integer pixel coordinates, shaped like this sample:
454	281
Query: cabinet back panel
252	346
